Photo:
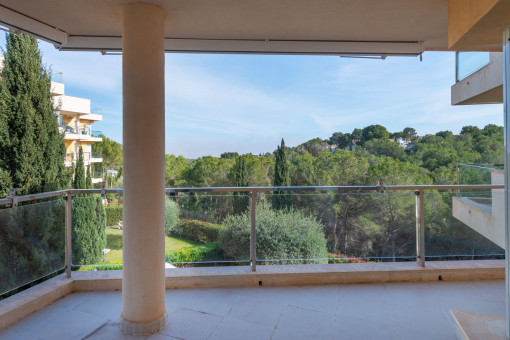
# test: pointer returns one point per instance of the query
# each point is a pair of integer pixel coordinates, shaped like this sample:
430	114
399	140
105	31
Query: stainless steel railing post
68	230
253	234
420	227
12	197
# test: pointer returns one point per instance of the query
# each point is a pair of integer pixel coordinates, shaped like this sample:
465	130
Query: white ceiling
292	26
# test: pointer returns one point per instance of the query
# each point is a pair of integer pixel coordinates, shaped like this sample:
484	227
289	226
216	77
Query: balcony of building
479	78
88	158
397	283
57	84
483	211
83	133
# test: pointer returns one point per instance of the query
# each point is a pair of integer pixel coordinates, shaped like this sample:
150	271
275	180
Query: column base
132	328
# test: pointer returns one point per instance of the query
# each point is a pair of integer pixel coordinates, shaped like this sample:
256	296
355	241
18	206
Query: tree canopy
31	148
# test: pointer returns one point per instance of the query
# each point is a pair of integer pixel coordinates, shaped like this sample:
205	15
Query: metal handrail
419	191
34	197
482	166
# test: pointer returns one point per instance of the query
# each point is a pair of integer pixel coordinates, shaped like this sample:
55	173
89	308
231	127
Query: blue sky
247	103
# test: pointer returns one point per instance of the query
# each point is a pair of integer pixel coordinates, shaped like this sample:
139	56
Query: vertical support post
420	227
456	67
458	180
143	82
506	107
12	196
68	231
253	234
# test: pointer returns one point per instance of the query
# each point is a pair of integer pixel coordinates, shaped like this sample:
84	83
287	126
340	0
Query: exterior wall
482	87
74	112
73	105
57	88
487	221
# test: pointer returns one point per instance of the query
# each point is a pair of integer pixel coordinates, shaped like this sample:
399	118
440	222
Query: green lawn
114	242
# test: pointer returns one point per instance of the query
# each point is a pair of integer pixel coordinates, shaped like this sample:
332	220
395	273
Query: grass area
114	242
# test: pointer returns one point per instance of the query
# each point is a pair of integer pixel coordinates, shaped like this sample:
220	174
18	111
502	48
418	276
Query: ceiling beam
253	46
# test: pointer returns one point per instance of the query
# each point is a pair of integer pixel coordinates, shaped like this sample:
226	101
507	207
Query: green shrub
31	242
89	230
113	215
211	251
172	212
199	231
281	234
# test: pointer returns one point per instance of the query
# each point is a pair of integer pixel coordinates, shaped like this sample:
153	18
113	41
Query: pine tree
241	178
31	147
281	199
79	173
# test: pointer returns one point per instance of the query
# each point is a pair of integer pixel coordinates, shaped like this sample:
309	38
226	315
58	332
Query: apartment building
75	119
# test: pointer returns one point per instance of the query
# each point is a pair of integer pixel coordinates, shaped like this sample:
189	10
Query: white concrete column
506	107
143	64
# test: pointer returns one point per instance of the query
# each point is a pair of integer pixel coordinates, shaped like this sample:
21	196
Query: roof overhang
341	27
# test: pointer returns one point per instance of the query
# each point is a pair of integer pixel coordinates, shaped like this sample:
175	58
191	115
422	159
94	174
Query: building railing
467	63
480	173
87	156
252	194
96	111
96	154
97	174
56	77
96	134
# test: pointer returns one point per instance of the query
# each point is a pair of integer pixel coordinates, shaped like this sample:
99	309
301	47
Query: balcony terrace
268	298
417	310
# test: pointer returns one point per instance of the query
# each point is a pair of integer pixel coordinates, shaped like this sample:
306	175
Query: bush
341	258
172	212
206	252
200	231
281	234
31	242
89	230
113	215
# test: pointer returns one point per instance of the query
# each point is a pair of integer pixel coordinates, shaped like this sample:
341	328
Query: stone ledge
35	298
475	326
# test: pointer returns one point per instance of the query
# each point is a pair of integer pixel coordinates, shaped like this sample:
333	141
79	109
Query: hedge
211	251
199	231
113	215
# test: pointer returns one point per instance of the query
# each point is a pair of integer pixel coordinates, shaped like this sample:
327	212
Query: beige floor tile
256	310
362	329
236	329
58	323
160	336
309	323
412	334
111	331
279	334
318	298
104	304
189	324
213	301
423	319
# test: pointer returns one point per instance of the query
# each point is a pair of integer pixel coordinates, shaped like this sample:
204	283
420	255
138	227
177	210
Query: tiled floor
361	311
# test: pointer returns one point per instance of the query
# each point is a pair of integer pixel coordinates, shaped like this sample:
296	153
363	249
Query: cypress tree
241	178
281	199
88	219
32	149
79	173
88	179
